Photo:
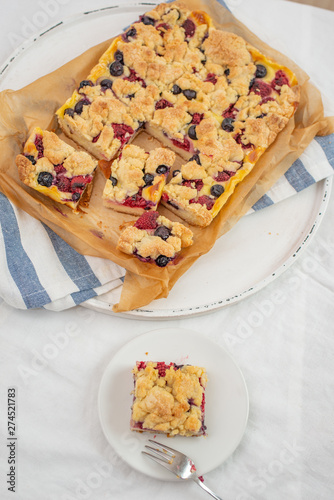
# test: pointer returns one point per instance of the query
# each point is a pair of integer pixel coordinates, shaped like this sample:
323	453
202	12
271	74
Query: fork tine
162	450
166	447
160	454
159	461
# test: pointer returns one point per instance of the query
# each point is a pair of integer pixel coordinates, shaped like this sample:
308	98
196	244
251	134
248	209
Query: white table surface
282	338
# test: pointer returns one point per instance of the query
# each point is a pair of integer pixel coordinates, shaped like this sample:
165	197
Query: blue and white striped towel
44	271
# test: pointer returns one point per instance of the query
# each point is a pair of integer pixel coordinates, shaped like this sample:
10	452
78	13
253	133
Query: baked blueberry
227	72
190	94
261	71
86	83
163	232
75	196
45	179
69	112
31	158
251	83
147	20
79	106
162	169
216	190
174	205
148	179
227	124
131	32
113	180
176	172
116	68
192	132
106	84
195	158
162	261
118	56
176	89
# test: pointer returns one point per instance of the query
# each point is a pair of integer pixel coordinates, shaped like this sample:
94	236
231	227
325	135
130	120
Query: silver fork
177	463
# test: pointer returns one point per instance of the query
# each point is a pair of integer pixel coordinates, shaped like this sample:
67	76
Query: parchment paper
95	231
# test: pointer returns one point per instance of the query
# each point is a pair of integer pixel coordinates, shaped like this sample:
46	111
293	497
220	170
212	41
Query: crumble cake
168	399
154	238
137	179
56	169
199	189
201	91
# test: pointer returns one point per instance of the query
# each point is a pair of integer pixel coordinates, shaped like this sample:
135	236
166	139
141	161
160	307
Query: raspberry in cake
57	170
168	399
137	178
154	238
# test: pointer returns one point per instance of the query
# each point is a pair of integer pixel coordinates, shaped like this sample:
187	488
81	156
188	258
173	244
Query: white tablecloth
282	339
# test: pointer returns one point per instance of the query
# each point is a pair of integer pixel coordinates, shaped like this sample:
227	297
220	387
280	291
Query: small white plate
227	402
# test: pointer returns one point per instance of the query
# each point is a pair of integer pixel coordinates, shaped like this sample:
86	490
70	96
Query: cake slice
56	169
154	238
168	399
137	179
197	191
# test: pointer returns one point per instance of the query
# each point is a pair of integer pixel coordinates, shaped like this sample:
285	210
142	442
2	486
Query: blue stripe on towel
83	295
263	202
74	264
223	4
327	144
19	264
298	176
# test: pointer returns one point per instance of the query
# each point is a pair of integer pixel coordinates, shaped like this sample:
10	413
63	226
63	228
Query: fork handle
202	485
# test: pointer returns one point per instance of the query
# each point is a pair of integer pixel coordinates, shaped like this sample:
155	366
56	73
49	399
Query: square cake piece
199	189
137	179
55	169
154	238
168	399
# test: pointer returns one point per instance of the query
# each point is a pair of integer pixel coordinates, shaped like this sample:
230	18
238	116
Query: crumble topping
55	149
226	49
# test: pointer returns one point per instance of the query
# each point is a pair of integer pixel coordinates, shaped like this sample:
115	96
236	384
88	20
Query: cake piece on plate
154	238
169	399
137	179
56	169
